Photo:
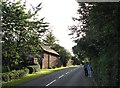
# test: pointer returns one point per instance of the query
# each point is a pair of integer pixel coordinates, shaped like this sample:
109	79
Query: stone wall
53	61
45	61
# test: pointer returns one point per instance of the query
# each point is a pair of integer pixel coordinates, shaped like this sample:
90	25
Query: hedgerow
15	74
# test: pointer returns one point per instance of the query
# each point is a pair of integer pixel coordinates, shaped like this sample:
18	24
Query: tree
20	34
76	60
64	54
99	23
50	39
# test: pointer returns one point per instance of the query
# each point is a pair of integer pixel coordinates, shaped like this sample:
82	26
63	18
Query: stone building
49	57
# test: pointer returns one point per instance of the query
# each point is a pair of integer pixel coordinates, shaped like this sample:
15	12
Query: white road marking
61	76
51	82
67	73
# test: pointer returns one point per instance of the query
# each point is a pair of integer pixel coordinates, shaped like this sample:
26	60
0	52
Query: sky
59	14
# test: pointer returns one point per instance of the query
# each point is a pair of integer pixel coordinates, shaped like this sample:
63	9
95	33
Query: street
73	76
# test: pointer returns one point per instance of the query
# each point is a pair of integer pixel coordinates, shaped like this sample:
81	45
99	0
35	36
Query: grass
30	77
26	78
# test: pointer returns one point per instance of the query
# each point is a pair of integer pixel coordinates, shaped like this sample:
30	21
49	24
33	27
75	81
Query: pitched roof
48	49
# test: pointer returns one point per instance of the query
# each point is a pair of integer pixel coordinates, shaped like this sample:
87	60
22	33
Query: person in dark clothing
89	68
85	69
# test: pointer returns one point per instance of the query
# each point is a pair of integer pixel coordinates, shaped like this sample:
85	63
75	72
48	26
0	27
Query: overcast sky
59	14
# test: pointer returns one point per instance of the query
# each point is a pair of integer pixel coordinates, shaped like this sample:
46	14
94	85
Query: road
73	76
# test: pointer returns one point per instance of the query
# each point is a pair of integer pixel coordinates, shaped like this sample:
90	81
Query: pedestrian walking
85	69
89	68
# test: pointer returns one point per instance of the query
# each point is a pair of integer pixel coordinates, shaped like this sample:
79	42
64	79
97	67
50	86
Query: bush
26	71
21	73
5	77
14	74
11	75
33	68
36	68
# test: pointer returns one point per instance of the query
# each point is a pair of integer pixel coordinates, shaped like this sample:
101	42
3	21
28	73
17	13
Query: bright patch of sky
59	14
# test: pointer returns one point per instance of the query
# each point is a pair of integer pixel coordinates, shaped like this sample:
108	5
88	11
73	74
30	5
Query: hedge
33	68
12	75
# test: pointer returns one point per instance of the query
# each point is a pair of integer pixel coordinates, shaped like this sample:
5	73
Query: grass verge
32	76
26	78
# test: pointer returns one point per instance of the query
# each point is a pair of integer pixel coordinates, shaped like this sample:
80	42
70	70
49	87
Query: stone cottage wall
45	61
53	61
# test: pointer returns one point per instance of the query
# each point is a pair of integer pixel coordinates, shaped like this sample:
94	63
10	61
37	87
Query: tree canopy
21	33
65	55
98	22
49	39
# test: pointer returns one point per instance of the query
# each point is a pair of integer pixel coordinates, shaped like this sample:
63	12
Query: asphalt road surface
73	76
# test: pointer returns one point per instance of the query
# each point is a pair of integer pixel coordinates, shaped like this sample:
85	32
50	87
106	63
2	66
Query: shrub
5	77
26	71
21	73
11	75
36	68
14	74
33	68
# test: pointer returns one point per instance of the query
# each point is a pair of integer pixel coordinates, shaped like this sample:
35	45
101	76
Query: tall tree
50	39
20	34
99	23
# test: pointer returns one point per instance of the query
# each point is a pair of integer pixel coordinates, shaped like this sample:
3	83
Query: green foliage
5	77
64	54
5	69
100	41
30	77
76	60
26	71
15	74
22	32
50	38
33	68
